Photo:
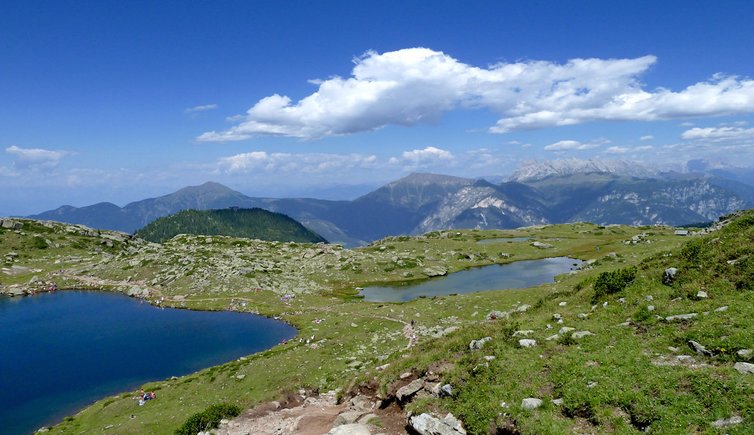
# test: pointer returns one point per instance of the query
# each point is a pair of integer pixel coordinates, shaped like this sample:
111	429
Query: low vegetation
208	419
630	368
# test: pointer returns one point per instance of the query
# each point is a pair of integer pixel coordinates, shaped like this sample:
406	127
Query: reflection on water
519	274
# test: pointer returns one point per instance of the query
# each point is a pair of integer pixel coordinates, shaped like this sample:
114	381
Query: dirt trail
315	415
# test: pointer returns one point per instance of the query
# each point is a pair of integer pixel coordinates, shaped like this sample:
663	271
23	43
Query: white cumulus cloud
36	157
646	137
426	155
417	85
718	134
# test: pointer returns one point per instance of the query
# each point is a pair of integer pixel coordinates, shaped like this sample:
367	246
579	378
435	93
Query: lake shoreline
113	384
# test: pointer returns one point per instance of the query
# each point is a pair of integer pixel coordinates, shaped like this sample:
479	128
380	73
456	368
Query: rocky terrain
557	358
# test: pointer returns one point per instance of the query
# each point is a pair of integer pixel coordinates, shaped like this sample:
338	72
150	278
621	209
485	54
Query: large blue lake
61	351
519	274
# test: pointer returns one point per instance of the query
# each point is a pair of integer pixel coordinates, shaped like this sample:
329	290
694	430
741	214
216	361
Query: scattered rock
558	402
580	334
721	309
531	403
744	367
698	348
478	344
724	422
361	403
11	224
668	277
138	292
701	294
565	330
541	245
494	315
688	316
409	390
435	271
649	298
446	391
527	342
745	353
348	417
350	429
427	424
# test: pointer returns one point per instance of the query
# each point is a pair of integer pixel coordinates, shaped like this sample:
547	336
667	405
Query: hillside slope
665	347
252	223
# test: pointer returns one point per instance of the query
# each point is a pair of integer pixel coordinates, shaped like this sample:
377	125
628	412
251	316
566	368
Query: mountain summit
537	170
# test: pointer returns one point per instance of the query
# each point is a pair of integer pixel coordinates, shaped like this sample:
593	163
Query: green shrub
691	250
38	243
208	419
612	282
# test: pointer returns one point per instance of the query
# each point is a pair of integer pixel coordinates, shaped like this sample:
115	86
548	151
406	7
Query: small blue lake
503	240
62	351
519	274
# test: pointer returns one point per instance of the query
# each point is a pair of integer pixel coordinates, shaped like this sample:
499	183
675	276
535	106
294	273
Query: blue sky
118	101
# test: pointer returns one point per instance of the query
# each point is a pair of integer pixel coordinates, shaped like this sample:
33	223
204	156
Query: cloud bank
417	85
35	158
718	134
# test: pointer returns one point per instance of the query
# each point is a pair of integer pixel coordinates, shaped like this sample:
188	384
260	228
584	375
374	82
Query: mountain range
538	194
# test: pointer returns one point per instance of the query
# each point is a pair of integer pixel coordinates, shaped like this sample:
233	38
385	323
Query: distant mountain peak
538	170
430	178
209	186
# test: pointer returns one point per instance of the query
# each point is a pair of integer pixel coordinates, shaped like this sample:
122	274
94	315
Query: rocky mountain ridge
426	202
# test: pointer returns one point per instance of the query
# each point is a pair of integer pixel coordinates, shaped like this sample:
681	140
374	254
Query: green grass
630	390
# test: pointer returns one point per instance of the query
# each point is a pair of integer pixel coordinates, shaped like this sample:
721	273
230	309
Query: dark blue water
519	274
61	351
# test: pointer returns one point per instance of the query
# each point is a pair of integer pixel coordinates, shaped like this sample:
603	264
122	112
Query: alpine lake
518	274
61	351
